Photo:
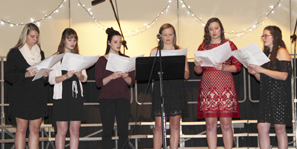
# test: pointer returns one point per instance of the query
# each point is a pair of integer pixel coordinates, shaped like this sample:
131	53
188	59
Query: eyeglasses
264	36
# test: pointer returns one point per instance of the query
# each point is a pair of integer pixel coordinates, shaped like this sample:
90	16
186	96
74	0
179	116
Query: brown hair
277	43
68	33
207	37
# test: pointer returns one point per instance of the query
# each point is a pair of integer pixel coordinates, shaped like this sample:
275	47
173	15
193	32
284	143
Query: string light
147	26
134	32
32	20
239	33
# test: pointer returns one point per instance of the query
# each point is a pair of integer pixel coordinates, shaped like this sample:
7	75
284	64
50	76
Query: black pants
109	108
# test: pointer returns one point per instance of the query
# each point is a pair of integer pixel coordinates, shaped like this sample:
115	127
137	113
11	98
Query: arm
55	76
187	71
282	55
129	78
235	67
253	72
64	77
228	68
197	68
100	79
11	72
82	75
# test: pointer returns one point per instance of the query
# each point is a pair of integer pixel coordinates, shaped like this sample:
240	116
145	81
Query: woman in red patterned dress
217	97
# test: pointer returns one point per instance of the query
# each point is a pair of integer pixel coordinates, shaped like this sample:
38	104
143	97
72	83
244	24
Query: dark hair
110	33
163	27
207	37
277	42
68	33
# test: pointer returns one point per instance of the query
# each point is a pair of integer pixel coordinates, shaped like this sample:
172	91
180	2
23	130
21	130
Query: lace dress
275	96
174	98
217	95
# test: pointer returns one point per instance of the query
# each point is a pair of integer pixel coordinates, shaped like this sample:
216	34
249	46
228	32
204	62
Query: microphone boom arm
118	21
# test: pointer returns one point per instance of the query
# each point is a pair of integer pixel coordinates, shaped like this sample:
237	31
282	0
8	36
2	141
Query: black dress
174	98
70	107
27	98
275	96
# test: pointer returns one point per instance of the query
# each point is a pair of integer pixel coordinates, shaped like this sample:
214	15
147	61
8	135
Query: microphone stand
163	116
118	21
293	37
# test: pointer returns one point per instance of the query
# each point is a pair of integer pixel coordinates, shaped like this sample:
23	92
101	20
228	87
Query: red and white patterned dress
217	95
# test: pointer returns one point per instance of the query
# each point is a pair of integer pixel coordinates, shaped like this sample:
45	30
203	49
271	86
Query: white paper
120	63
216	55
40	72
170	52
250	54
77	62
45	65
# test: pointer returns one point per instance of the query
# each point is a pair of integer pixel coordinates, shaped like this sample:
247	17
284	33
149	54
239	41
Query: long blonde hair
26	30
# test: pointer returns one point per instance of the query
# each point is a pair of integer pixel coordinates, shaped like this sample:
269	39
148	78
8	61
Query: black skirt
70	107
174	98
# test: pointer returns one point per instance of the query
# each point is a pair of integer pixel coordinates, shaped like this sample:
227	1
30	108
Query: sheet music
170	52
40	72
77	62
45	65
120	63
216	55
250	54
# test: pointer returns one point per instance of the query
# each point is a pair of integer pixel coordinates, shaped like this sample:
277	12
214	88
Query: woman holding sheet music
217	97
68	94
275	88
114	97
174	94
27	100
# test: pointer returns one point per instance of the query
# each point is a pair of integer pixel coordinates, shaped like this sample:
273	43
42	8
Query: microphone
124	43
159	36
95	2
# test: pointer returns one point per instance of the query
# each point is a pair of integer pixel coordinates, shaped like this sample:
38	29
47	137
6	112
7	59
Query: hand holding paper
45	65
120	63
77	62
251	54
216	55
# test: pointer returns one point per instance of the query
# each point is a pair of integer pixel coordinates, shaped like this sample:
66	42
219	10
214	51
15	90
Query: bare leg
263	131
174	131
158	140
74	134
226	126
211	132
62	128
281	134
20	135
34	128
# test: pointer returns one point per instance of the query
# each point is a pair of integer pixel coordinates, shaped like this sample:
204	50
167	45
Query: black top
27	98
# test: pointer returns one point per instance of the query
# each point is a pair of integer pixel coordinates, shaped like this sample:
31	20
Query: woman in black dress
68	94
275	89
174	94
27	102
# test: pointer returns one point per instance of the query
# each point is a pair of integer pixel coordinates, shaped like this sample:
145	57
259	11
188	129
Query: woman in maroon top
114	96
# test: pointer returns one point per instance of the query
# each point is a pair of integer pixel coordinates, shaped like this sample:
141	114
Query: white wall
236	15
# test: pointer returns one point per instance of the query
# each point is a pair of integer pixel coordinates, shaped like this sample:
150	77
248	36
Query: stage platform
47	134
